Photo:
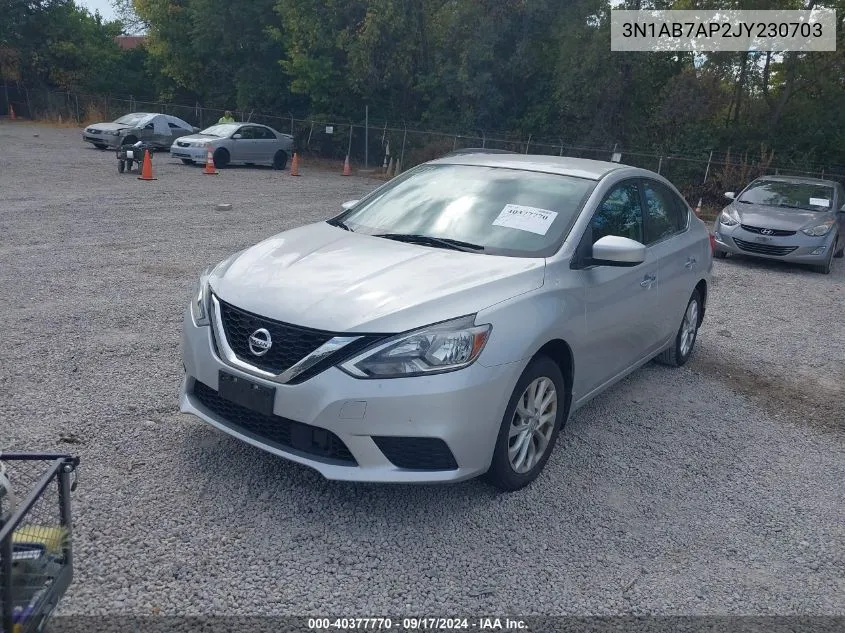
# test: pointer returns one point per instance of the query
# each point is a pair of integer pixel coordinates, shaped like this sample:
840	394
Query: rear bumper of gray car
798	248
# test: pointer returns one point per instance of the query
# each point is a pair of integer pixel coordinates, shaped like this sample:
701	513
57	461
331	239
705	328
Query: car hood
775	218
205	138
109	127
324	277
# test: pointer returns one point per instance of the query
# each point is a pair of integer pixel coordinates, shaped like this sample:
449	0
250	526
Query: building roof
129	42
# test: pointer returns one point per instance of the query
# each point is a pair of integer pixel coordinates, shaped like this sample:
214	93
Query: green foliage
539	67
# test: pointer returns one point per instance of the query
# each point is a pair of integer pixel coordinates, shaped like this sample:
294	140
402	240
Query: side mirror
613	250
237	136
348	205
730	195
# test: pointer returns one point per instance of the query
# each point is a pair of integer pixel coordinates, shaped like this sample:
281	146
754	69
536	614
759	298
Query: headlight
729	217
199	300
435	349
819	229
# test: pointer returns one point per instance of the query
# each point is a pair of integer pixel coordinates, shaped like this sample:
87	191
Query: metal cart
129	154
36	561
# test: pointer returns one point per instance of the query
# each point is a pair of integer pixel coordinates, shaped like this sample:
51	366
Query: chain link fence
375	145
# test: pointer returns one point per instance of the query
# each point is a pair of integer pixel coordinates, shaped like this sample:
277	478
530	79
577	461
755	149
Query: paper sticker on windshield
531	219
820	202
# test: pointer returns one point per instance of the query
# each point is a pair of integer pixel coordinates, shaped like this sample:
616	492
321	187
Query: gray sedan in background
448	324
232	143
799	220
158	130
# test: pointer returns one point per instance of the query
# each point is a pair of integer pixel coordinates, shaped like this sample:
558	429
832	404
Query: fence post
310	132
76	98
659	164
291	125
454	142
366	136
707	171
349	147
528	144
404	138
483	139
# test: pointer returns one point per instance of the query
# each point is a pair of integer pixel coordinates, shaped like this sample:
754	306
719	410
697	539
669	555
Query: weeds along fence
703	175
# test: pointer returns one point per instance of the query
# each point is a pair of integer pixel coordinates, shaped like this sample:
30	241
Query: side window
247	132
263	133
662	213
173	126
620	213
148	126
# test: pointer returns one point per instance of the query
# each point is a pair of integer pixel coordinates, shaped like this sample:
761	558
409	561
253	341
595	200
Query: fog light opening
818	251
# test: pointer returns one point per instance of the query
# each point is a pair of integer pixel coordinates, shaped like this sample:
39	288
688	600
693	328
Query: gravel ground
713	489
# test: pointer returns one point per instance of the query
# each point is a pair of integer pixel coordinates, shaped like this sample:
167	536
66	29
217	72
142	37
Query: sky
103	6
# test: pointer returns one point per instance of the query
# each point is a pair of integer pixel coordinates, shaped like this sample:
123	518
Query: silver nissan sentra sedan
448	324
798	220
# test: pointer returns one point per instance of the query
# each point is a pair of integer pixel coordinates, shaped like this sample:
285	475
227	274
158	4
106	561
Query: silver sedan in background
448	324
235	143
798	220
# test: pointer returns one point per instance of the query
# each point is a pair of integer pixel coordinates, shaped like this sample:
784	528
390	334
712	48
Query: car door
240	148
667	234
265	144
621	302
250	142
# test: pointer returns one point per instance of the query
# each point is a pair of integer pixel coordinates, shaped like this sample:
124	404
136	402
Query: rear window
789	195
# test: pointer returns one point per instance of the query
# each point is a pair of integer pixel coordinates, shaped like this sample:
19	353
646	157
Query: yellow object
52	538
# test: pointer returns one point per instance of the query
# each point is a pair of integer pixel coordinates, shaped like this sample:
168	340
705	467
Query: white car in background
235	143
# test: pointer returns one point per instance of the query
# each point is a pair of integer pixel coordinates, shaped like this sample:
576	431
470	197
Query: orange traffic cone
147	169
347	171
209	163
12	112
294	168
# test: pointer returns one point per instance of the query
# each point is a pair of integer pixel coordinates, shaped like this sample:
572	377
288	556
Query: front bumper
196	154
796	249
460	410
102	139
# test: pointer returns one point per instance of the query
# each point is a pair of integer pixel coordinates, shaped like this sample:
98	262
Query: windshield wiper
744	201
341	224
428	240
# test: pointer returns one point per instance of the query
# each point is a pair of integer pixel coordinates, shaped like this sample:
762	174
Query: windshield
505	211
132	119
789	195
224	129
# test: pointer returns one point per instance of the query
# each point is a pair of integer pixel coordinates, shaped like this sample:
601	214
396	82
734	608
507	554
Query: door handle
648	280
690	262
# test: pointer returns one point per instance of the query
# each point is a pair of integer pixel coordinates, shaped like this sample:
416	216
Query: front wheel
221	158
529	430
838	254
681	349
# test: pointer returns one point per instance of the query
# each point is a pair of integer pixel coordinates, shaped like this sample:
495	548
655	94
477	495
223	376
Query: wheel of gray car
530	427
221	157
681	349
838	254
280	160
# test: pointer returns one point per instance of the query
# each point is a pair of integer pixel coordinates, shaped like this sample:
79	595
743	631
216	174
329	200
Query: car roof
561	165
797	180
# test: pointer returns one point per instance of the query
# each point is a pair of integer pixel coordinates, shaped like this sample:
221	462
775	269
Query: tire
681	349
280	160
221	157
187	161
121	165
839	254
99	146
505	471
